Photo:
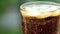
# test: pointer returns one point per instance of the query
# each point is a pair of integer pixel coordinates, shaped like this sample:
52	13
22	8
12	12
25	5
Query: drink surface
40	10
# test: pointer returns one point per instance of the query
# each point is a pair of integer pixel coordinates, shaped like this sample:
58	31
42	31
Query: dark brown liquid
40	26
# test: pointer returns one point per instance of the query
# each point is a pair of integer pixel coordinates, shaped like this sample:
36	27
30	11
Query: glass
40	17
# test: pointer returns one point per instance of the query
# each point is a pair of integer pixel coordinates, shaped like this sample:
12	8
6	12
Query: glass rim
43	2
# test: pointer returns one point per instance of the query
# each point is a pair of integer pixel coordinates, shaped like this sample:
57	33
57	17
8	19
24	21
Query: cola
32	25
40	19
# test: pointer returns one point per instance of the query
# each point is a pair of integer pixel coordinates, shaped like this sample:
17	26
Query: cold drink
40	18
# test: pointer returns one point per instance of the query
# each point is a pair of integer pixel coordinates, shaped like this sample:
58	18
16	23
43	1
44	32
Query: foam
40	8
41	11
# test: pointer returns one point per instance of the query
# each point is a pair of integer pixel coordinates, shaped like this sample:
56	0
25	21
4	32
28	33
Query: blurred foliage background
10	22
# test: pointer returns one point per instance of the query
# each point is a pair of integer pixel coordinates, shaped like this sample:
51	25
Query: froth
41	8
41	11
